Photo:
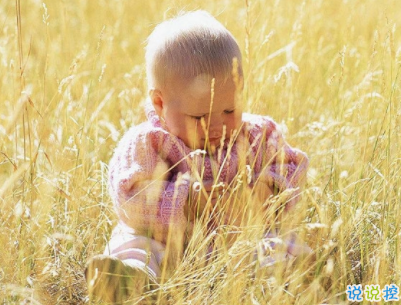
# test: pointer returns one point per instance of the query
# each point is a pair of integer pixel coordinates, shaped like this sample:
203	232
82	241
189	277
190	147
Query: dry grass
72	82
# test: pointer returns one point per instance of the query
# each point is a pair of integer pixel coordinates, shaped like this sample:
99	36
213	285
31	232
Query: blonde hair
191	44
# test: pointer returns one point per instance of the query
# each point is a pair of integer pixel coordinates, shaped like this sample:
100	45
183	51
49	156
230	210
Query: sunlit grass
73	81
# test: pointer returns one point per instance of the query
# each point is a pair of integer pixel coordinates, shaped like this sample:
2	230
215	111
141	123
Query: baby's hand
261	191
263	195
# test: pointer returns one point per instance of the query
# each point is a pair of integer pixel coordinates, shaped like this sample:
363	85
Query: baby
171	170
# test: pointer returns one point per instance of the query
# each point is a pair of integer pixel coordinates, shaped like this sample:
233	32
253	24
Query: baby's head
192	60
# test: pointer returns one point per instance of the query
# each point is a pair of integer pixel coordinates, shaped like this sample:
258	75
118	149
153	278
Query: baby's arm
277	164
279	167
147	197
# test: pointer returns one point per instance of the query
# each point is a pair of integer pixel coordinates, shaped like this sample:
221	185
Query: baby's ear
157	101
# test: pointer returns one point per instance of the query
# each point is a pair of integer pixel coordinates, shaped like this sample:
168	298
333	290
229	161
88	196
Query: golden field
73	81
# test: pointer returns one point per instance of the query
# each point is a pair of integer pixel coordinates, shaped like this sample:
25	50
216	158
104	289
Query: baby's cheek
196	128
233	124
193	132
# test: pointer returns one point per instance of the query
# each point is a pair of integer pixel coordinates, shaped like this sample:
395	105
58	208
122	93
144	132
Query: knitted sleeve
276	162
146	195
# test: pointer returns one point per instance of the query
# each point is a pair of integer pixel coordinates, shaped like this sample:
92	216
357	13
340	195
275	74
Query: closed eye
229	111
198	118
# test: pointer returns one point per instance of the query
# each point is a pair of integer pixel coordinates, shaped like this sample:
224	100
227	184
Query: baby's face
188	106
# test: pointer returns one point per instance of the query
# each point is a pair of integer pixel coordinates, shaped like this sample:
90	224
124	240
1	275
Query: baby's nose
216	128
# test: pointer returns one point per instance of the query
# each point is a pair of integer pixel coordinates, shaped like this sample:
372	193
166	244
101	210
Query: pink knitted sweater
148	184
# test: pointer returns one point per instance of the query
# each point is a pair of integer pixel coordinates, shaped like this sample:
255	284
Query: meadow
72	81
